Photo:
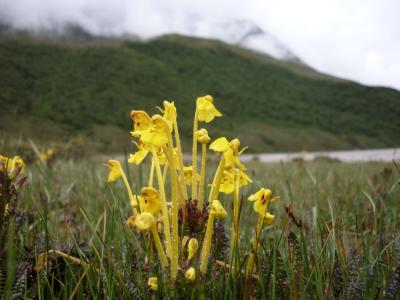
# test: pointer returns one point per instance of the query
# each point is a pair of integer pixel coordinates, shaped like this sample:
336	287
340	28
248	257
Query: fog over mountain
354	39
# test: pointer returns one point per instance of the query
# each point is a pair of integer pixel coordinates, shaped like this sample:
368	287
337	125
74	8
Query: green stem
202	176
214	192
205	250
180	158
194	158
160	250
235	226
151	177
175	207
165	172
129	190
164	208
250	262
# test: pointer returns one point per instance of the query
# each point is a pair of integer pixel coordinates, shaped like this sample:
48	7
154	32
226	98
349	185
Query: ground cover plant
68	233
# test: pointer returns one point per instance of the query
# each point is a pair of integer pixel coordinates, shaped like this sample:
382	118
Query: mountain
240	32
55	90
249	35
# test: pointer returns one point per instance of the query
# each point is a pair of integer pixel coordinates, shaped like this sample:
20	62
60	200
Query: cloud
355	39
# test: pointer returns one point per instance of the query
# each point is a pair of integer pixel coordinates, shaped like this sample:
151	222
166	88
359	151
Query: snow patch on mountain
249	35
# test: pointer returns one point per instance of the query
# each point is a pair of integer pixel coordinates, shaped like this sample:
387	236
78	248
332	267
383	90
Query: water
386	155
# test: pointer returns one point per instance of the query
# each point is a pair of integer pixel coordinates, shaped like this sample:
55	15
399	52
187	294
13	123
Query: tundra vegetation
156	225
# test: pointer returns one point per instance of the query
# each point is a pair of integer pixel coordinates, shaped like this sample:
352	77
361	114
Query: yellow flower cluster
14	165
158	207
10	181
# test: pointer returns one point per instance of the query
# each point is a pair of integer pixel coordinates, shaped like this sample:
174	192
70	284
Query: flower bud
152	283
193	245
144	221
190	274
202	136
115	170
217	209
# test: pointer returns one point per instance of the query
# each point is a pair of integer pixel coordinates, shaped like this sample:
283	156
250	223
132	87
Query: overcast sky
355	39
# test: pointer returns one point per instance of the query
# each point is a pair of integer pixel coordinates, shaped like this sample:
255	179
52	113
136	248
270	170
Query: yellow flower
17	162
12	164
169	111
45	155
262	199
217	209
141	121
206	111
190	274
235	144
244	178
144	221
230	151
202	136
193	245
151	201
142	152
268	218
115	170
156	134
139	155
220	145
162	158
227	183
152	283
187	174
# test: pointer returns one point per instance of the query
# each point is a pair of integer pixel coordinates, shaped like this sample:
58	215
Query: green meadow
77	224
335	236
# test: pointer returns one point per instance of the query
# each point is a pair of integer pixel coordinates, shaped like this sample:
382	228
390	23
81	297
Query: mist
357	40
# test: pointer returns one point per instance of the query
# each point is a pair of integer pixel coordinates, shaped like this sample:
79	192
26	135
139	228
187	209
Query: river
386	155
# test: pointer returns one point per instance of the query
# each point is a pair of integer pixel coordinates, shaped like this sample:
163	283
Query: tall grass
336	235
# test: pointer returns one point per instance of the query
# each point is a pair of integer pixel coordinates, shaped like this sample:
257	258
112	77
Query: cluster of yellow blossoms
157	208
14	165
10	182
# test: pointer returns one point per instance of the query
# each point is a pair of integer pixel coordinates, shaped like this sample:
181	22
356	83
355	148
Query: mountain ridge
57	90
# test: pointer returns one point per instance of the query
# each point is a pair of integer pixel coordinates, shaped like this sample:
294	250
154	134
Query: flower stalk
164	208
235	240
174	209
214	192
132	198
179	154
194	158
151	176
216	211
250	262
205	250
202	176
159	247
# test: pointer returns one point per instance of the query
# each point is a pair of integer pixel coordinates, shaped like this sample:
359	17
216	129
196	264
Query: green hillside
55	91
